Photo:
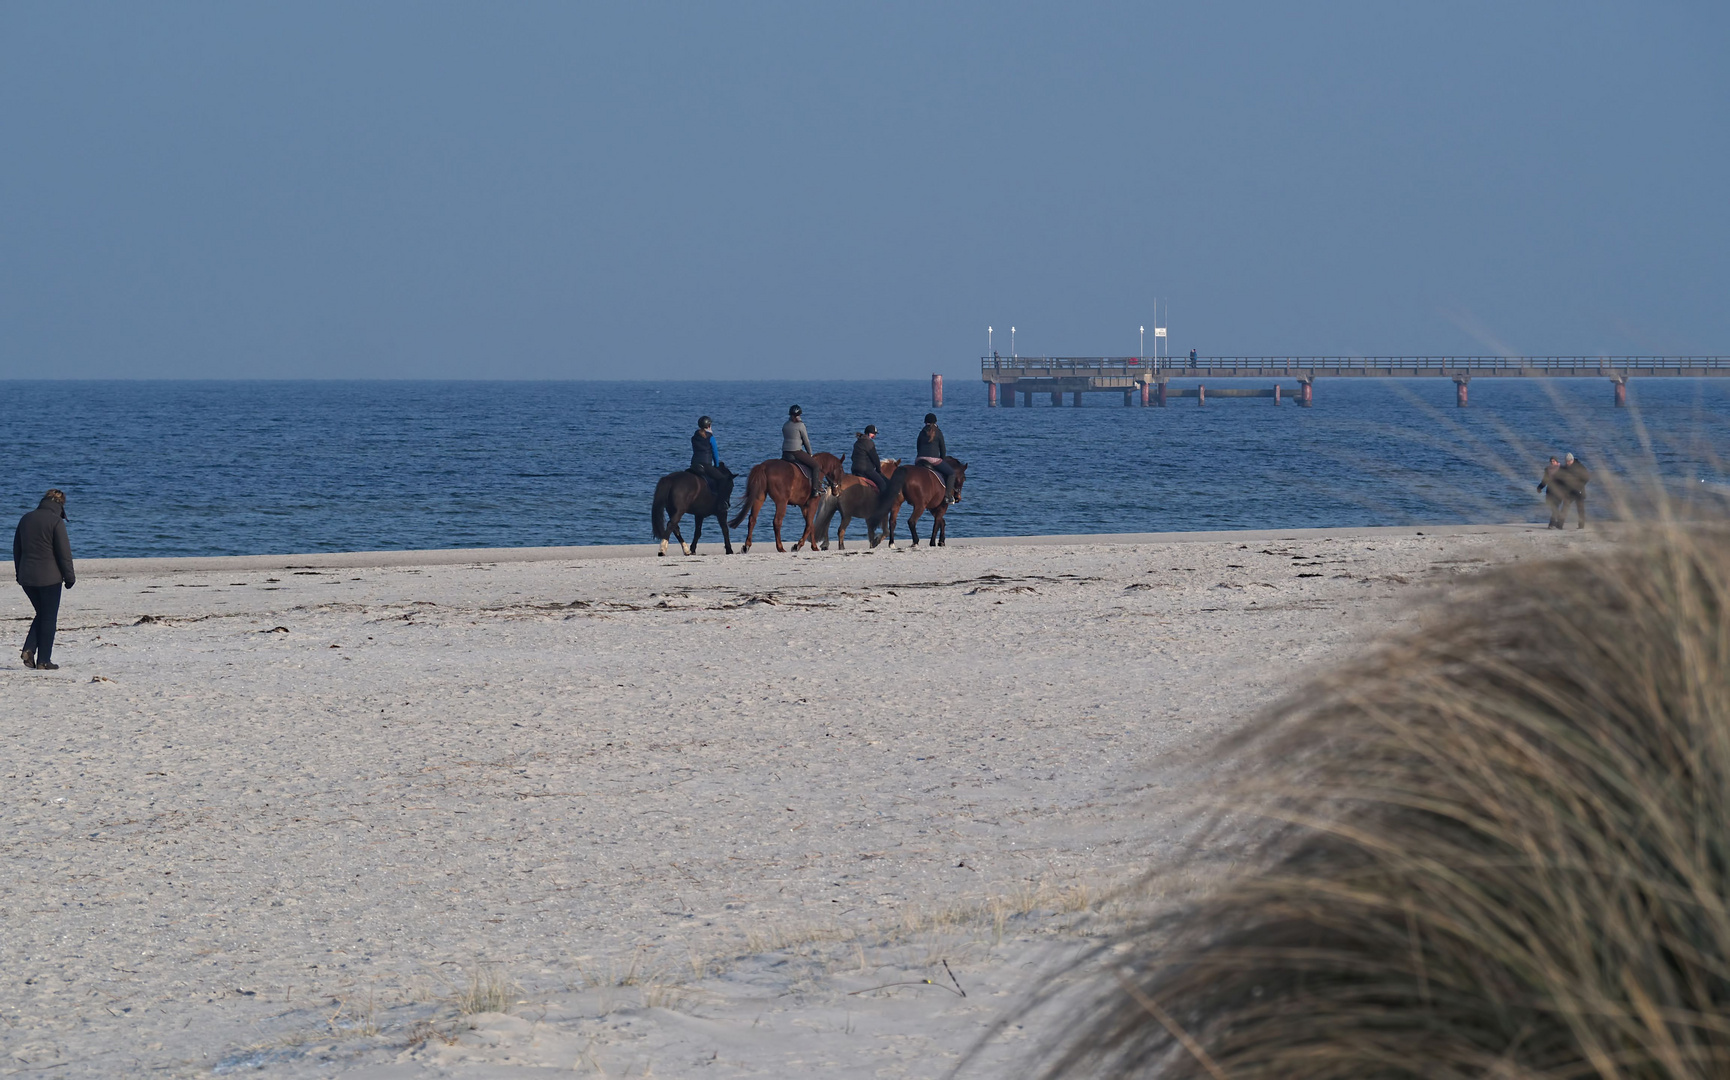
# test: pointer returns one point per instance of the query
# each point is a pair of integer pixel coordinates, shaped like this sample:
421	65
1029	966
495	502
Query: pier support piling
1201	395
1276	393
1460	383
1621	391
936	391
1007	393
1146	389
1076	402
1306	392
1027	398
1161	393
991	395
1128	398
1057	397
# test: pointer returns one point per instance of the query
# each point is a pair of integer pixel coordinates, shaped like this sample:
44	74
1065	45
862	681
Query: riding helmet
930	418
795	411
704	423
870	429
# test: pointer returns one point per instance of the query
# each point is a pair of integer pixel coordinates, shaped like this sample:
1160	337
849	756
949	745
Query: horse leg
913	523
673	528
726	537
841	533
696	532
780	516
756	508
939	524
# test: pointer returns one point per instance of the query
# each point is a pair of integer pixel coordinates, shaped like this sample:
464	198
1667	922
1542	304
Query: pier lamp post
988	339
1012	342
1141	350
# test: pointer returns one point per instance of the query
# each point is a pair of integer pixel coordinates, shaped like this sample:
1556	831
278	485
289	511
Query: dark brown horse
684	493
785	483
856	497
922	489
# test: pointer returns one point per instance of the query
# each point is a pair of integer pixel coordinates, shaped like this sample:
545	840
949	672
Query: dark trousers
875	477
947	472
1558	510
1579	502
720	480
805	461
46	600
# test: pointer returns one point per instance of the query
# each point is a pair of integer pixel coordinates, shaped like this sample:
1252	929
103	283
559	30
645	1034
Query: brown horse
855	497
684	493
785	483
922	489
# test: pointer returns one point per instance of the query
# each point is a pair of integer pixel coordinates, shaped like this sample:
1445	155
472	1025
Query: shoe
28	656
47	667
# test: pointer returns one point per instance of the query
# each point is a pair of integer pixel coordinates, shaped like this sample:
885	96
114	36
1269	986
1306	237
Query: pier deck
1146	377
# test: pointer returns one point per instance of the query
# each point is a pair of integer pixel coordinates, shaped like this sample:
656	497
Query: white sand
616	779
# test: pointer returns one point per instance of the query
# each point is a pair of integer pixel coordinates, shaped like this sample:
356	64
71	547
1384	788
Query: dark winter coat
1572	479
931	442
41	553
704	453
865	459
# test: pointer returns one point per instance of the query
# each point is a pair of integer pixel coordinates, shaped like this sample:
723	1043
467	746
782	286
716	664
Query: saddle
715	489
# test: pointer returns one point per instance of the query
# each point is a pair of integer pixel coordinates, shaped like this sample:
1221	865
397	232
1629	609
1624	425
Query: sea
154	468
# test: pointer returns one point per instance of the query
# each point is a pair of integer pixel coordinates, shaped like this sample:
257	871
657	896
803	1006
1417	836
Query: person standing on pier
796	447
42	563
931	451
706	462
1573	478
866	462
1553	493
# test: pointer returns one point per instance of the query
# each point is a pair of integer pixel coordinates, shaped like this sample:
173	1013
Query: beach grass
1497	848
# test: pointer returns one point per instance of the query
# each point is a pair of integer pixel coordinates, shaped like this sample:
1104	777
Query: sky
850	191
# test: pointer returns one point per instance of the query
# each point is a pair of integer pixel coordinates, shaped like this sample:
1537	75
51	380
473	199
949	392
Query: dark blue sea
220	468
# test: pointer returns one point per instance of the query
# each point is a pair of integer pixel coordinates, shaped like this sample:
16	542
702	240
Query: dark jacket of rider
704	453
931	443
865	459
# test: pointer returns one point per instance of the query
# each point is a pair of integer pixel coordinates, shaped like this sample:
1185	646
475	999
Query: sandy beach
474	813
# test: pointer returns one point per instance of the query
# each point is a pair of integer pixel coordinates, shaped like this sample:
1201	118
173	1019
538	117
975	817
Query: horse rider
706	462
930	453
796	447
866	463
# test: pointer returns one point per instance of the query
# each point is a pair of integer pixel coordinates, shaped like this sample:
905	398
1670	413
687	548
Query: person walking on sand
1552	490
42	562
1573	477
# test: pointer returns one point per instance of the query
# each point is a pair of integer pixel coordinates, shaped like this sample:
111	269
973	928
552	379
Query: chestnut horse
856	497
921	489
785	483
684	493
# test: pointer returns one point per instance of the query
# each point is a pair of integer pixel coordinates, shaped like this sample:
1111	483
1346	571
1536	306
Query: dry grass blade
1498	849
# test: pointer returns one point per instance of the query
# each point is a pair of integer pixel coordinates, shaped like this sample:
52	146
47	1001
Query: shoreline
337	560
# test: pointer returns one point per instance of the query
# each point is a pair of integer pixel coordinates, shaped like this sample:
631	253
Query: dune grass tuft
1500	848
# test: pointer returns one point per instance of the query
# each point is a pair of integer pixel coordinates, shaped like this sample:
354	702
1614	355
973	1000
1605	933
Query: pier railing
1258	365
1059	366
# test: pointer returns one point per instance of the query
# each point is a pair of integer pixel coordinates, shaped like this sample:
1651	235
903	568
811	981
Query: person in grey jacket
42	562
796	447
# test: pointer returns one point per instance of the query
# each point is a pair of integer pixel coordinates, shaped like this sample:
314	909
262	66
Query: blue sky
849	190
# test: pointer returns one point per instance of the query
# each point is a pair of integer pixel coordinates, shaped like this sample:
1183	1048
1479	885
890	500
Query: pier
1142	380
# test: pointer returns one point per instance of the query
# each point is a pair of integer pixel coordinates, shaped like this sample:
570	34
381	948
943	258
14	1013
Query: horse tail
755	486
658	513
887	498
